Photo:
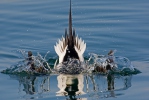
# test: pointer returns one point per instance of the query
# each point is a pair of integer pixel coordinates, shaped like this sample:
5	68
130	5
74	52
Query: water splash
118	64
38	64
92	82
73	66
32	64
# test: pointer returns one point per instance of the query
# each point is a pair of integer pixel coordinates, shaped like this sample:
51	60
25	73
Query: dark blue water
104	25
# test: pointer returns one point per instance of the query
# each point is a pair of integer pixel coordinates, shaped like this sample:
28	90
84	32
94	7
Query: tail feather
70	23
71	45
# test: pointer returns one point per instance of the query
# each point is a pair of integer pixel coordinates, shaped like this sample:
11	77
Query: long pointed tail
70	28
70	46
70	21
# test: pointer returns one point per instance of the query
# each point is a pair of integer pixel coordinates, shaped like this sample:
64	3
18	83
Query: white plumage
70	50
61	47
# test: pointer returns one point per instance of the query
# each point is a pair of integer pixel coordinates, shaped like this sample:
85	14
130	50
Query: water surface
104	25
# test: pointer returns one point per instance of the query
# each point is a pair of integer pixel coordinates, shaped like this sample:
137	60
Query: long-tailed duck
70	46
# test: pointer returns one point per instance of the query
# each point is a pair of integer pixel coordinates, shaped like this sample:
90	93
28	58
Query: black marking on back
70	40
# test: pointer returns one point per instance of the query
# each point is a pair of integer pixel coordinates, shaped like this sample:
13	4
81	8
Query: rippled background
36	25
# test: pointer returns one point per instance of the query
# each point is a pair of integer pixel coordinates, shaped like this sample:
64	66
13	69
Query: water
104	25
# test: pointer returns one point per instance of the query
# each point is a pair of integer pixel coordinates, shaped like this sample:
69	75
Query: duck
70	46
70	50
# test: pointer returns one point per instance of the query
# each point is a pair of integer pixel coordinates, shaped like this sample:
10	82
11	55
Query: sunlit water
35	25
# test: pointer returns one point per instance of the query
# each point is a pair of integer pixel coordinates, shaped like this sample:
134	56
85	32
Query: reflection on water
107	86
33	85
73	87
70	84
